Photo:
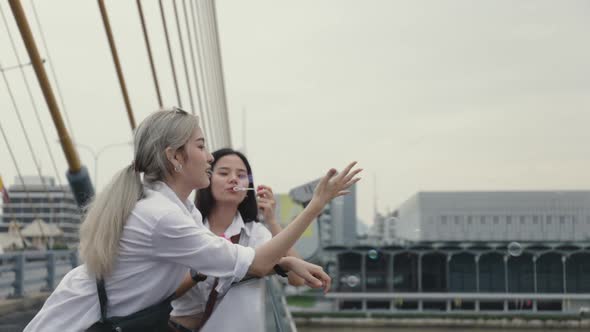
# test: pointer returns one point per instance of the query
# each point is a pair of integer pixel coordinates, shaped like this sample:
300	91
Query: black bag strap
102	298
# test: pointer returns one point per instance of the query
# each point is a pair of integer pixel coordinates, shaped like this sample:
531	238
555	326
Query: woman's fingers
346	170
325	278
352	175
326	178
350	183
264	187
312	281
264	193
263	202
343	192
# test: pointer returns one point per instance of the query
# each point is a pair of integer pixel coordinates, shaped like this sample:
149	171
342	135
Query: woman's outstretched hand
335	184
314	275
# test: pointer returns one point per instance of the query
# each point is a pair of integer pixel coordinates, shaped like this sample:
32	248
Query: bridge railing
278	316
22	271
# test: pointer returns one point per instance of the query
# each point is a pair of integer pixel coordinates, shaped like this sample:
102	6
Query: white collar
235	228
187	207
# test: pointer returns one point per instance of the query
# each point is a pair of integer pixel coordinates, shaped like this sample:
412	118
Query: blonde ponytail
103	226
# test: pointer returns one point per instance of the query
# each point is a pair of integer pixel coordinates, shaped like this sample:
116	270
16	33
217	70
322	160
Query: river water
415	329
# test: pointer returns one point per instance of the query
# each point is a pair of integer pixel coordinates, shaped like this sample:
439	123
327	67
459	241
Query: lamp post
96	154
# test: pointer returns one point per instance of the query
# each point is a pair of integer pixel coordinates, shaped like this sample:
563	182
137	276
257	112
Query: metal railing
278	316
34	271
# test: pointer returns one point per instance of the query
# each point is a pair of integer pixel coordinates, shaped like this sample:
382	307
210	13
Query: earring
178	168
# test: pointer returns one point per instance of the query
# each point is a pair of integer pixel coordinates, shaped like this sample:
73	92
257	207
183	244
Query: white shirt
162	238
243	303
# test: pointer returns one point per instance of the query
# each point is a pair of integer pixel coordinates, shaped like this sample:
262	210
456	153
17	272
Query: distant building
362	229
11	239
40	234
383	232
51	203
496	216
287	210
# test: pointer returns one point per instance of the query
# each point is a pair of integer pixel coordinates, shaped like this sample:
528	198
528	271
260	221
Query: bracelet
197	277
280	271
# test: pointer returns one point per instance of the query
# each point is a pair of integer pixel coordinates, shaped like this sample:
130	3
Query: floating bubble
373	254
351	280
514	249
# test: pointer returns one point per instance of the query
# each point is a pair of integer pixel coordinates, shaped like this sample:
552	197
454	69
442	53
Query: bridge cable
50	62
27	139
180	39
192	54
215	125
28	88
149	51
172	66
206	110
113	47
220	76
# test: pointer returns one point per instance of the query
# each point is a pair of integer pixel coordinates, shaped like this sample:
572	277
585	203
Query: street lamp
96	155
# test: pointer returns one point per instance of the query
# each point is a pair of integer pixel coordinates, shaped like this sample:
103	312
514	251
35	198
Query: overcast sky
426	95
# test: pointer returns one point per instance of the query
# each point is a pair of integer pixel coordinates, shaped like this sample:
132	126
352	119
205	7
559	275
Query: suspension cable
192	53
28	88
165	25
180	39
149	50
206	111
50	62
107	27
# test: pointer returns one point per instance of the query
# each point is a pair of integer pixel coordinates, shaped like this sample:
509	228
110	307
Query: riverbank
331	319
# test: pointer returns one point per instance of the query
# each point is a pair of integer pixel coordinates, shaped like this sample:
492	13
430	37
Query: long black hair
248	208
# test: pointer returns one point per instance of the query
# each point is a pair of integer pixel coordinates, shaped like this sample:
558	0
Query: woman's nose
233	179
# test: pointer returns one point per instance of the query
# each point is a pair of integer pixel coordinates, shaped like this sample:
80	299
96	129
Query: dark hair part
248	209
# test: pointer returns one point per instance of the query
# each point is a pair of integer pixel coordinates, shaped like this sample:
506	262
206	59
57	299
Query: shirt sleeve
180	239
259	235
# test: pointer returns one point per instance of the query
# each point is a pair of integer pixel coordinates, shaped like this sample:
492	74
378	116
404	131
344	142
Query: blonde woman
139	237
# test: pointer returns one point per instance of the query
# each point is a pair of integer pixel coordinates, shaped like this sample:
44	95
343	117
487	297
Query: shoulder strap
102	298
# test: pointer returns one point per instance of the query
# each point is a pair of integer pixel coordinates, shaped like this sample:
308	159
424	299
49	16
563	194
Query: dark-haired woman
230	207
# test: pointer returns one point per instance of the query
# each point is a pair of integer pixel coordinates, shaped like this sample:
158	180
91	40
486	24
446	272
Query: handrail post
74	259
19	276
50	270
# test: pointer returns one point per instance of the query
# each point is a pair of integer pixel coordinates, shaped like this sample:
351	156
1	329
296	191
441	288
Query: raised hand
335	184
266	203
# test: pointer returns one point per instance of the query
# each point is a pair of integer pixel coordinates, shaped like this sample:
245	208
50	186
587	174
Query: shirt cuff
243	262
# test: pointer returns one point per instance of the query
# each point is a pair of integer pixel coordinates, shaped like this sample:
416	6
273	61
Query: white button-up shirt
162	238
243	303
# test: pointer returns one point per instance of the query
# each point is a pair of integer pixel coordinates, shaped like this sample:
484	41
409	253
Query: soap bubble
514	249
373	254
351	280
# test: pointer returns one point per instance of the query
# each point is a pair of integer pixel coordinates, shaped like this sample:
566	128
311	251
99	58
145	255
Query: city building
526	216
382	232
287	210
462	277
43	200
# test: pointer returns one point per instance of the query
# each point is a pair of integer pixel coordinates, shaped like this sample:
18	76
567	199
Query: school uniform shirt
162	238
239	306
